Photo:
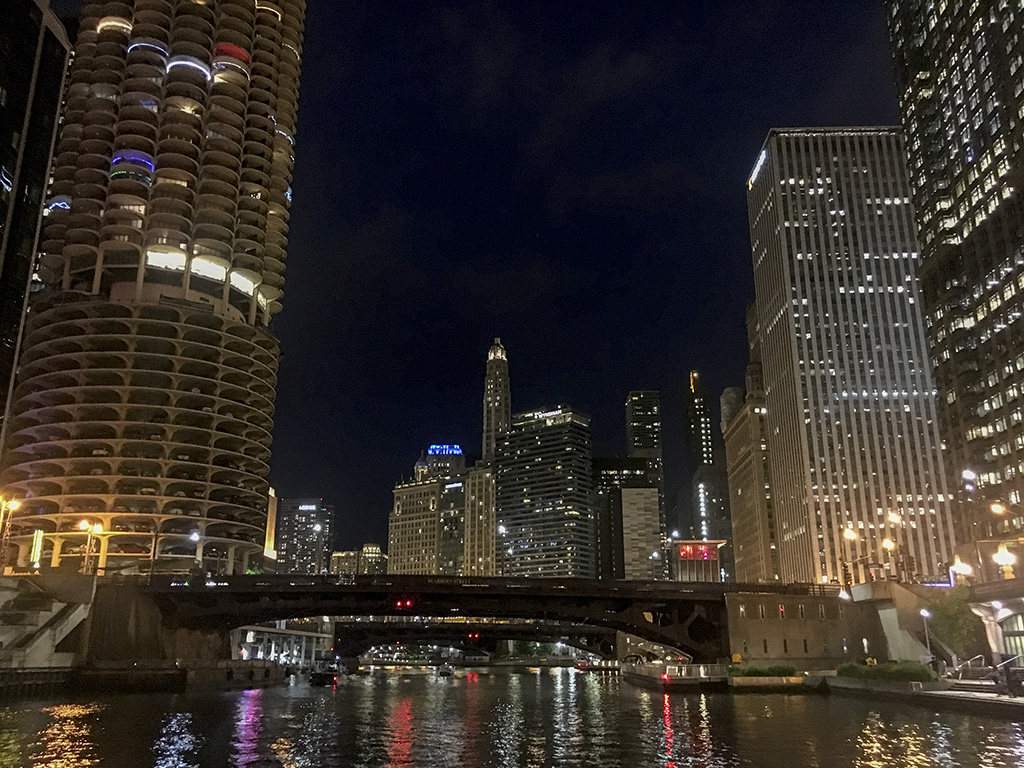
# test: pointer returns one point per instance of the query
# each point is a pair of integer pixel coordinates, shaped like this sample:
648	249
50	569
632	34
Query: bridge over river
189	617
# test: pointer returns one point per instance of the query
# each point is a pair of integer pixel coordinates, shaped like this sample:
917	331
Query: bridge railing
425	582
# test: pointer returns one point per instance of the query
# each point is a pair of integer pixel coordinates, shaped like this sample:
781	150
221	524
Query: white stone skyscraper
857	478
480	530
497	399
145	392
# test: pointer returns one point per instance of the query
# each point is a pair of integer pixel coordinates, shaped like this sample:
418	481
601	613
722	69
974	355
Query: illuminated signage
757	168
698	552
307	507
444	450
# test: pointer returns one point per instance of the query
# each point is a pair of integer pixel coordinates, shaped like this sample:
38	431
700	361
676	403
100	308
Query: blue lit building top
444	450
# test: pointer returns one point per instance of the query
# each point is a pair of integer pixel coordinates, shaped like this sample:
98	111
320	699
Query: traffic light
403	604
847	578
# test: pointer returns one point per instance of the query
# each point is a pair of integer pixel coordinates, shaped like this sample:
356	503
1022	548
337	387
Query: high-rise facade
33	52
497	399
643	427
345	563
145	389
414	526
451	549
643	441
480	523
751	507
709	493
544	495
305	536
702	447
630	545
850	412
958	71
372	560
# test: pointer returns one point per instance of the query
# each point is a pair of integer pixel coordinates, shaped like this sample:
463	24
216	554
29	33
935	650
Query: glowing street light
850	535
7	510
925	615
1005	559
91	530
888	545
894	518
960	569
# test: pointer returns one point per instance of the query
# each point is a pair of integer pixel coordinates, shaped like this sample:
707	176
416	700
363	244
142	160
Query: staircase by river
33	623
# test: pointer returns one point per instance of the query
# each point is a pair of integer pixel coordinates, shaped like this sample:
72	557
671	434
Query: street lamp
926	614
851	536
90	531
7	509
961	570
1005	559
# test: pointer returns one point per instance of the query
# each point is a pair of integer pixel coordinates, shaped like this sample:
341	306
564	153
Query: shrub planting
896	671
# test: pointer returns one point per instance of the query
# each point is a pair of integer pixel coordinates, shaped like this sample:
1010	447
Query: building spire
497	399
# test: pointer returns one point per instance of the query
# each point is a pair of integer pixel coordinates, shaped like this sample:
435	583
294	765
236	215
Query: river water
505	719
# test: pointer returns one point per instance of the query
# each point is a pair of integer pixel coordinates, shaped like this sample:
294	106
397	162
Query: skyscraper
544	495
958	74
497	399
643	440
709	492
305	535
643	426
451	548
630	544
751	506
702	447
33	51
145	390
850	404
372	561
414	526
480	524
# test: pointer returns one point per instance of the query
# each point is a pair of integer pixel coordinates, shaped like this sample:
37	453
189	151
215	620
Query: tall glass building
33	54
960	74
545	511
305	536
145	392
850	411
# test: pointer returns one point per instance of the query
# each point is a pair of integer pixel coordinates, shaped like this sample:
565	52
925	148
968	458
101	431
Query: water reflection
248	726
554	719
10	743
177	746
67	740
400	727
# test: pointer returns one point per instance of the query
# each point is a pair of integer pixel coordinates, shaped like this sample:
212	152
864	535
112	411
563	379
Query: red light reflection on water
400	748
670	738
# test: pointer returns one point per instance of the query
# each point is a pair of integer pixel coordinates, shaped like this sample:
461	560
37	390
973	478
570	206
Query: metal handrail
1007	661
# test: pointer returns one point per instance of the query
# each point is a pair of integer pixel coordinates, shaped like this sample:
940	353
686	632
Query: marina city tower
139	429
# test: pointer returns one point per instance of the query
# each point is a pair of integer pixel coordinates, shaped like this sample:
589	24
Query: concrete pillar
58	545
229	568
996	642
102	543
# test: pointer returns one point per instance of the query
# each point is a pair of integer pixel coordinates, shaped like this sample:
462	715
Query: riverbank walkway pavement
975	698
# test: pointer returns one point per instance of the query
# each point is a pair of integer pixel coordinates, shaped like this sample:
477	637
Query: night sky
569	178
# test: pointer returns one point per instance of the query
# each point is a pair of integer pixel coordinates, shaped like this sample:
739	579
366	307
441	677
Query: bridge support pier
125	625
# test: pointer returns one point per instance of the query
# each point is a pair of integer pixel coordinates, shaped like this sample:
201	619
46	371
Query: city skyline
468	231
677	241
